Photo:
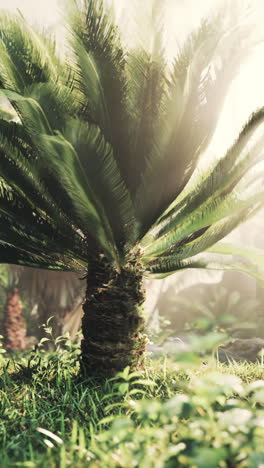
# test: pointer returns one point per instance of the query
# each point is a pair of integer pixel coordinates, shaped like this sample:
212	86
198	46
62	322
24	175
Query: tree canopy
99	149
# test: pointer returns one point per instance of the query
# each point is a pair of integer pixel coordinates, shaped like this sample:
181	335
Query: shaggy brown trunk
14	324
113	323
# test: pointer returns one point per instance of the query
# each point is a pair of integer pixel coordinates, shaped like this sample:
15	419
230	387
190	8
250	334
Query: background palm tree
44	294
12	317
98	163
49	294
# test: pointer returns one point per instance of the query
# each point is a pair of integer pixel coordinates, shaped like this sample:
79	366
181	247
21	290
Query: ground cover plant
185	411
98	156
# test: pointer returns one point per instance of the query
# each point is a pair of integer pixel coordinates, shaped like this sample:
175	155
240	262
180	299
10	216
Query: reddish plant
14	324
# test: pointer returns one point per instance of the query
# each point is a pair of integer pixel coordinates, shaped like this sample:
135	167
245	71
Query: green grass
176	413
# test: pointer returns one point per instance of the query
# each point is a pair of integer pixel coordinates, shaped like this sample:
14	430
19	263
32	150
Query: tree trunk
113	324
14	324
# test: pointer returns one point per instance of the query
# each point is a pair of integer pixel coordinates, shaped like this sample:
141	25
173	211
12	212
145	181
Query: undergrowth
178	412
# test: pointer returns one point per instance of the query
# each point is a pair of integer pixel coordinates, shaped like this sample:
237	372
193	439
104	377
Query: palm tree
13	322
98	165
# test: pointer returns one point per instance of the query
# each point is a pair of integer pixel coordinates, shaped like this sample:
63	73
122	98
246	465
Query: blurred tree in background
13	322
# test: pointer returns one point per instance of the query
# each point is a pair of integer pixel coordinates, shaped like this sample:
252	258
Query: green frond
219	257
203	241
202	221
25	226
100	74
212	195
27	57
146	72
76	194
212	264
175	161
147	94
34	188
31	231
19	170
11	131
53	155
204	70
92	101
146	91
202	73
29	111
29	66
205	238
98	162
16	256
57	100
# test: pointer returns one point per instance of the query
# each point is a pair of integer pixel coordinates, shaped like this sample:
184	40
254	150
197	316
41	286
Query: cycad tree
97	158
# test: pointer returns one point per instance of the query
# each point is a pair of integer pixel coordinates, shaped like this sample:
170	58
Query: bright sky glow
42	12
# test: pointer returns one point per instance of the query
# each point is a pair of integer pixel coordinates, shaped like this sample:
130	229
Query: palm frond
218	257
14	255
37	178
22	225
57	100
211	264
98	163
204	222
27	57
100	74
31	67
195	96
203	241
216	195
147	91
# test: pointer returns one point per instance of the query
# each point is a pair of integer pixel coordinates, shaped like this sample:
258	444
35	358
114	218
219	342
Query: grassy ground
184	412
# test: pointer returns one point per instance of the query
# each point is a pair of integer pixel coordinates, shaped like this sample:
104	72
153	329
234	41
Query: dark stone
241	350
